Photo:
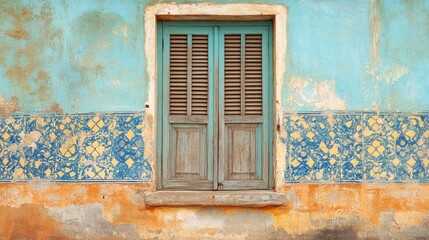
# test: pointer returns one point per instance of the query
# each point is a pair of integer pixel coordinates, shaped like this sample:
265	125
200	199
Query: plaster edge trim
279	14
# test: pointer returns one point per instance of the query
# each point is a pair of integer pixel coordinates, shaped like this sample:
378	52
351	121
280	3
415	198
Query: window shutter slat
200	72
253	74
189	69
232	74
243	74
178	74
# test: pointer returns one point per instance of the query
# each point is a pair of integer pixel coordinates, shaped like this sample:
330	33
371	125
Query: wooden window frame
218	12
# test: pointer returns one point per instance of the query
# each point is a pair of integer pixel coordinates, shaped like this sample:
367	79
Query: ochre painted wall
44	210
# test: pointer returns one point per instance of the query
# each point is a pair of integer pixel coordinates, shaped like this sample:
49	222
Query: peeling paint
27	70
56	108
322	95
8	108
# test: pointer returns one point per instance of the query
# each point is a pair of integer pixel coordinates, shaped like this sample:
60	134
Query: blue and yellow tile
96	124
12	159
349	130
283	132
67	125
314	151
68	158
348	147
128	149
68	155
324	147
40	147
396	147
95	161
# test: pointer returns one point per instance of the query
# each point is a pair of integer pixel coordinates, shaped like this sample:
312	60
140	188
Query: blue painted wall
88	56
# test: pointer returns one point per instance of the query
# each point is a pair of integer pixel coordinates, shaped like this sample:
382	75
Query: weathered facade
78	120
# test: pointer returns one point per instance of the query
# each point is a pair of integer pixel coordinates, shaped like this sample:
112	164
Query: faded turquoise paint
404	41
328	41
88	55
95	62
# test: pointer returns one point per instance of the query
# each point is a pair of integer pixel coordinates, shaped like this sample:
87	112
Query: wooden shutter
243	143
188	132
215	108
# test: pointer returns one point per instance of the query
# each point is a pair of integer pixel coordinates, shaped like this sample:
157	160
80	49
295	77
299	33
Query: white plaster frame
217	12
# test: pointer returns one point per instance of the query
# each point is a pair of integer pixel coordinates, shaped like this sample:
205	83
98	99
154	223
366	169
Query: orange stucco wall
43	210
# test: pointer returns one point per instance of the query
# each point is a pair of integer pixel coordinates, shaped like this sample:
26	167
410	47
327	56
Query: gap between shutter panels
252	74
179	74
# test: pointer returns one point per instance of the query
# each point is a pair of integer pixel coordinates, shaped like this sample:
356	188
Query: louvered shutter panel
188	136
178	74
215	110
243	141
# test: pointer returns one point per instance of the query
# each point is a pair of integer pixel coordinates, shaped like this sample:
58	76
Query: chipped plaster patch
279	161
8	108
375	26
90	222
392	74
14	197
307	92
327	98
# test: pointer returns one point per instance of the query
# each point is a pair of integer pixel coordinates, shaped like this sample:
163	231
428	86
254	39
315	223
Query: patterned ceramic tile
40	147
349	147
284	138
68	154
396	147
12	160
349	129
95	162
128	149
95	147
96	124
325	148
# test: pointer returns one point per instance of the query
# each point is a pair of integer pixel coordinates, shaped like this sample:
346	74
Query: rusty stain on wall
8	108
26	68
29	221
56	108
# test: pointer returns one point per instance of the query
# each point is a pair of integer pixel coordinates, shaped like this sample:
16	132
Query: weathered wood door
215	106
243	108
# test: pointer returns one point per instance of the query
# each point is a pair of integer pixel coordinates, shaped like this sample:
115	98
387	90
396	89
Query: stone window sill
215	198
